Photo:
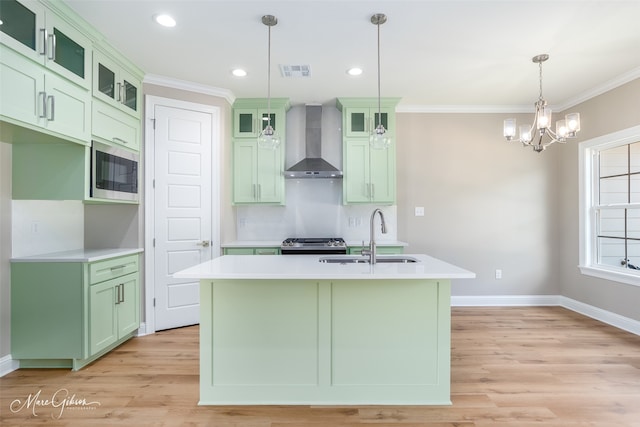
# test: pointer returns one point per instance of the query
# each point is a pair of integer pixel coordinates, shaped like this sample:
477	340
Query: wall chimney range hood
313	165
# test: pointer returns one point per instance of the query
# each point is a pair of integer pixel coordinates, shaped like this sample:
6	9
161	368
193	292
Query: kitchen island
293	330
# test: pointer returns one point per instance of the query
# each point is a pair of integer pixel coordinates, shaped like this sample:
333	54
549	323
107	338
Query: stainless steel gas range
313	246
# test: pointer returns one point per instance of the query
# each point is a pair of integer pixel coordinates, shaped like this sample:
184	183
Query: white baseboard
7	365
504	300
613	319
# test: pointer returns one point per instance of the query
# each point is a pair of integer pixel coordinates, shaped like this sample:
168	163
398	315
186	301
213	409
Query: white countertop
308	267
79	255
278	243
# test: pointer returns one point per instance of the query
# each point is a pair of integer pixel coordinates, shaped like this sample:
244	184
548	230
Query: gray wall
488	204
613	111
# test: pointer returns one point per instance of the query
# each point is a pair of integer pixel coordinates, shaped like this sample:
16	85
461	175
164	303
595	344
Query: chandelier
540	135
379	138
268	137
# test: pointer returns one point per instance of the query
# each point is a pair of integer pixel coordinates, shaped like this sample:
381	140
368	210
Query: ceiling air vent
295	70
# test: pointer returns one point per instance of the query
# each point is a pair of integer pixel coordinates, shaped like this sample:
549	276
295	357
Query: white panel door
183	210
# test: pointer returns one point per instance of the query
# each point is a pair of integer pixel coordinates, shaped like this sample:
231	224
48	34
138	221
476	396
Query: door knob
204	243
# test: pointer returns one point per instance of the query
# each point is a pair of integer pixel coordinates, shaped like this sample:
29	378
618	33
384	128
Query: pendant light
539	135
268	137
379	137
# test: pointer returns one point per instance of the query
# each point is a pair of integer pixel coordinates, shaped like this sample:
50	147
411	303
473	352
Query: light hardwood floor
533	366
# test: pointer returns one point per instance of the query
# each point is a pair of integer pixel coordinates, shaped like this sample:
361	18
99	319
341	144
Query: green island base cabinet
66	314
291	330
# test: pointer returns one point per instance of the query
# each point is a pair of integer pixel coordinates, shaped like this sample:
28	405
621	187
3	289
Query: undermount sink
347	259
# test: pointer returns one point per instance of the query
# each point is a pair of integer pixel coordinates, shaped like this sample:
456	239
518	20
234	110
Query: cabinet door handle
117	294
52	111
119	91
43	114
52	53
117	267
122	293
120	140
43	51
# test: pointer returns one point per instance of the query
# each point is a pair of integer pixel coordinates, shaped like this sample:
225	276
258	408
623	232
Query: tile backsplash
313	209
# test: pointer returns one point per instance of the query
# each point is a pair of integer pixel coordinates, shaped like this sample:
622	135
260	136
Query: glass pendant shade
268	138
573	123
525	133
544	118
509	129
379	138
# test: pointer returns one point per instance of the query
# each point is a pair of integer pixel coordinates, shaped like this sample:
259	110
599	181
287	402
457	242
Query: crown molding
170	82
517	109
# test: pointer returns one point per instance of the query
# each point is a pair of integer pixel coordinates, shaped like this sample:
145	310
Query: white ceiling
454	55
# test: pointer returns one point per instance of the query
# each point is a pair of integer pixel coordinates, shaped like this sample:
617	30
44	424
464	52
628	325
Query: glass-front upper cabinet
114	85
38	33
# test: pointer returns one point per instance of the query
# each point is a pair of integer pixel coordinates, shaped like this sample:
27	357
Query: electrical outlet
419	211
498	274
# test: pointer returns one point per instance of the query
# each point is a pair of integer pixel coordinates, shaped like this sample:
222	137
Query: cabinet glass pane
69	54
265	120
106	81
382	116
130	95
18	22
245	123
357	122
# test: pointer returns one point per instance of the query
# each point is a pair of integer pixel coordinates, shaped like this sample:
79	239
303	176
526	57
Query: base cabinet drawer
100	271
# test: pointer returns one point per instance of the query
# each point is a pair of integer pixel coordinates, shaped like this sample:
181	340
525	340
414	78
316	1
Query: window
610	206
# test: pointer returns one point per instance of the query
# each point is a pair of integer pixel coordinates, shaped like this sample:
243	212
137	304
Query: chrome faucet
372	239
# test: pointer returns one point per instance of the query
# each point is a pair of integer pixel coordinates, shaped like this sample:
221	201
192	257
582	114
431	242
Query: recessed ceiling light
355	71
239	72
164	20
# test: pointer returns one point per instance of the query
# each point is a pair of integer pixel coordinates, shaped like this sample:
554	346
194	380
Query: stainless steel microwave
114	173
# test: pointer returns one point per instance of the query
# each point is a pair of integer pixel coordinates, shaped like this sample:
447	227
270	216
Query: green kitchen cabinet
380	250
112	126
47	38
114	313
41	100
252	251
116	86
369	173
250	116
258	173
361	121
69	313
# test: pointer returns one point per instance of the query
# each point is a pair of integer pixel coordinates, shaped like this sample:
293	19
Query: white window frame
588	151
